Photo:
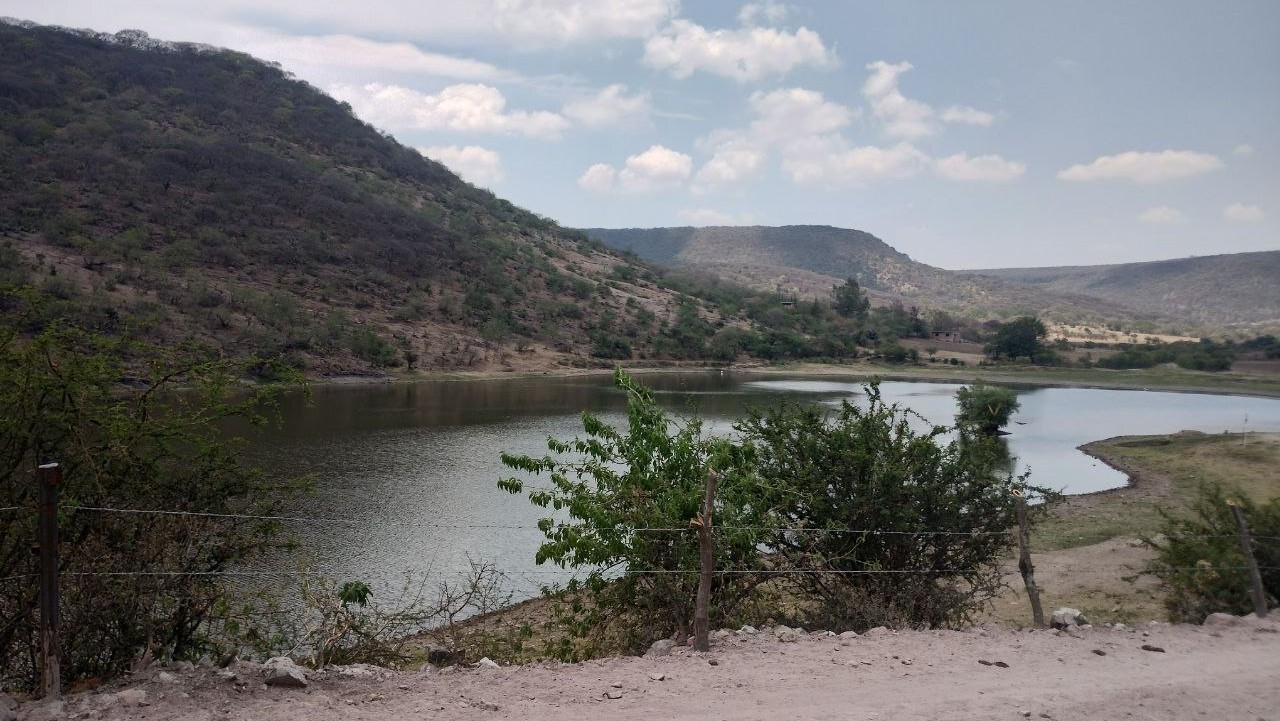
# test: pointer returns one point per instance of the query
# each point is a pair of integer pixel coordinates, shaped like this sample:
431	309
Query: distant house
948	336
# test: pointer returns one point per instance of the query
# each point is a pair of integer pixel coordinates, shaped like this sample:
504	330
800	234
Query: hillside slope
1239	290
183	192
809	259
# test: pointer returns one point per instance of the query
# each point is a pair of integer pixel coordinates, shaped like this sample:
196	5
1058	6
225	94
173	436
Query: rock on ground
282	671
1067	617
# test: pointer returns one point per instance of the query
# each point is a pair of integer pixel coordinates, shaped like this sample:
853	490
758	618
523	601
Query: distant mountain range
1232	291
1222	293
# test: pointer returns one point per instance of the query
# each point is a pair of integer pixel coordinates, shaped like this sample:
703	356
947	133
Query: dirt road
1210	672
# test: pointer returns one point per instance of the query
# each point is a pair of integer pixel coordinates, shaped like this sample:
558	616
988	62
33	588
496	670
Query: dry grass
1102	334
1088	553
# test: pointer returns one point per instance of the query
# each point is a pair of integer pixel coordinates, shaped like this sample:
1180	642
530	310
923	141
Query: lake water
407	471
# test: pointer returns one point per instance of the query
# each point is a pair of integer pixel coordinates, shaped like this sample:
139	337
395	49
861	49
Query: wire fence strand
649	571
614	529
204	514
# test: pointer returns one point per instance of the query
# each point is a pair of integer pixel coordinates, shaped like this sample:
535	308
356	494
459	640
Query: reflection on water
412	467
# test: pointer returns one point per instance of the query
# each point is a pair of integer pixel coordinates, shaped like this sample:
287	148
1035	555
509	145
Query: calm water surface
410	468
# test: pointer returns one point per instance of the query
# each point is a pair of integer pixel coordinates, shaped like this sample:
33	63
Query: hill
182	192
1236	291
808	260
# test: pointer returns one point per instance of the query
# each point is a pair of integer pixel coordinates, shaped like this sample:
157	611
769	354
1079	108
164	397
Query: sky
997	133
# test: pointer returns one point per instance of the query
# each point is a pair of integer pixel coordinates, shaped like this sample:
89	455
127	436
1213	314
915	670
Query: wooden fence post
1024	560
706	557
49	477
1246	545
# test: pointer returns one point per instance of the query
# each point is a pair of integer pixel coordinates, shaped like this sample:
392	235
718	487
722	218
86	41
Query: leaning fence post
706	557
1246	545
49	477
1024	558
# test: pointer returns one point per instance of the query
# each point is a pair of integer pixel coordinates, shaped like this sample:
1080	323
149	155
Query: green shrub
623	502
860	519
144	447
892	526
1200	562
605	344
373	348
985	408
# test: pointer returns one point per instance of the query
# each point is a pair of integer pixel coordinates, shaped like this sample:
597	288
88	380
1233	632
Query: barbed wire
16	508
650	571
205	514
613	529
264	574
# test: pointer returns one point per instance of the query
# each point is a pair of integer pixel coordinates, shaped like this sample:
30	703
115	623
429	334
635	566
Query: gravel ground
1226	671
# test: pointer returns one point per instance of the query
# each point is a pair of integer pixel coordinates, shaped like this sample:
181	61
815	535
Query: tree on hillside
1019	338
851	300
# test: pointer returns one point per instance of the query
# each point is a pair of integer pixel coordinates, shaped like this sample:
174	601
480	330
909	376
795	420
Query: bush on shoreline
861	518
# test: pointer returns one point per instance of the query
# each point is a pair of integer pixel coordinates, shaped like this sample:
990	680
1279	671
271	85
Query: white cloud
609	107
518	24
475	164
1242	213
658	168
1161	215
744	54
767	12
805	131
909	119
985	168
654	169
554	22
462	108
967	115
599	178
902	117
320	57
786	121
1243	149
732	163
826	161
508	24
1139	167
710	216
795	111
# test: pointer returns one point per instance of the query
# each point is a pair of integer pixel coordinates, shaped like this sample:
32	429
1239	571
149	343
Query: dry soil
1148	672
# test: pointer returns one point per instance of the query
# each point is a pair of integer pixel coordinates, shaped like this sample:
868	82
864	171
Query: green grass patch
1169	470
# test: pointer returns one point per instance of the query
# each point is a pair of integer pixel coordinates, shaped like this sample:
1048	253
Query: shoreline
1138	478
1042	378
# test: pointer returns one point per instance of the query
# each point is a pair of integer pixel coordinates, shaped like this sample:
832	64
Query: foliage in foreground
146	446
622	504
1200	562
347	624
863	519
890	525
